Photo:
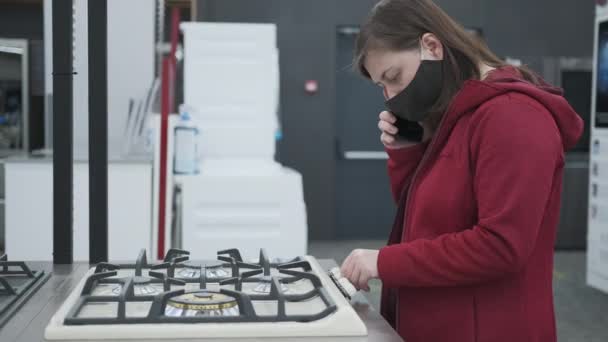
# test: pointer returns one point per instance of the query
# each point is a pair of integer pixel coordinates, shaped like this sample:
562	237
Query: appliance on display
240	189
14	95
224	59
577	90
601	104
575	77
227	297
17	284
597	249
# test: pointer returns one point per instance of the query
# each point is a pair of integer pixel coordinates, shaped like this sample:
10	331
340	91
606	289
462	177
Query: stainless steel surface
29	323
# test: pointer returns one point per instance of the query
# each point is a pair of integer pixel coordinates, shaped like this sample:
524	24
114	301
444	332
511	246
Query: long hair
398	25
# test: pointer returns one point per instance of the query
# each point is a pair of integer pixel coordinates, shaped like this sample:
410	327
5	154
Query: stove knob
348	286
336	272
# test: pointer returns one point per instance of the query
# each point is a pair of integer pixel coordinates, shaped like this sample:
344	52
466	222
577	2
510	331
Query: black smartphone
409	130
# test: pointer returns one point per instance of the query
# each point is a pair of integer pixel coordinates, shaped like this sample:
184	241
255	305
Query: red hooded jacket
470	257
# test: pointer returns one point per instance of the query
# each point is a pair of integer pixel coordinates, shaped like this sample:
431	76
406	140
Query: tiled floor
581	311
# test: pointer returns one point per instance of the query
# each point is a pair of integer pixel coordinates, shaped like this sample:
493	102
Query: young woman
470	257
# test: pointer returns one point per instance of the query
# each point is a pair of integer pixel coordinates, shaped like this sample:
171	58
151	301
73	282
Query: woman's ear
432	47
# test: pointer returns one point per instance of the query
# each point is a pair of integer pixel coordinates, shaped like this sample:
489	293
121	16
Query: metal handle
365	155
577	165
349	30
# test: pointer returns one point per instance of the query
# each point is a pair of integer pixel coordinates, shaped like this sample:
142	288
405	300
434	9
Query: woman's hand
360	267
389	137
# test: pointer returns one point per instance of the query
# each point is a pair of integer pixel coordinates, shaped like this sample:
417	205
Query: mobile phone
409	130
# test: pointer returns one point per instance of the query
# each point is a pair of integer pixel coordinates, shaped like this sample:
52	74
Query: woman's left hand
361	266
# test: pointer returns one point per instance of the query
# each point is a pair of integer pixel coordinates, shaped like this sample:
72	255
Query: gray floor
581	311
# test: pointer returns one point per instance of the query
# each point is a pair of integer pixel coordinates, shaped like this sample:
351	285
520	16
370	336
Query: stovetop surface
256	291
228	297
30	322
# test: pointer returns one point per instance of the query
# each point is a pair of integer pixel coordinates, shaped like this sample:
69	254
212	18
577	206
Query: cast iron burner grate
241	273
17	284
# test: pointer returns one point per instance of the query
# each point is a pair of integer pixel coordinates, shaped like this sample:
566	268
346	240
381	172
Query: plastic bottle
186	155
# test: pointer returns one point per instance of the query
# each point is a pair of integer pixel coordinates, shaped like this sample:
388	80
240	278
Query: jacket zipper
405	231
407	205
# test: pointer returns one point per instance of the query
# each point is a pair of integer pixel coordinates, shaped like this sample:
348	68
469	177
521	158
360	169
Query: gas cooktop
227	297
17	284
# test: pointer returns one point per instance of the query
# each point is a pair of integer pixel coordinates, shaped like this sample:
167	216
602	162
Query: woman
470	257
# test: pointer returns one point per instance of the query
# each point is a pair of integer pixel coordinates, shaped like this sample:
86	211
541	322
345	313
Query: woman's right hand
389	132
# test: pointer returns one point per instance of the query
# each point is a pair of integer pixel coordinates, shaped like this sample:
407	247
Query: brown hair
398	25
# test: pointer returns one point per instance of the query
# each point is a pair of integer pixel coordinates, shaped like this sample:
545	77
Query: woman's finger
388	116
363	280
387	139
354	278
387	127
346	268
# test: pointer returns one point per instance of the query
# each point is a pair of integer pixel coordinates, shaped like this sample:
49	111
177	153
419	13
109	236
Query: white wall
130	65
130	60
80	99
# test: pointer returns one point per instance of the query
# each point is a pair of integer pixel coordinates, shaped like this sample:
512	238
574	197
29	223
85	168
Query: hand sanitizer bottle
186	157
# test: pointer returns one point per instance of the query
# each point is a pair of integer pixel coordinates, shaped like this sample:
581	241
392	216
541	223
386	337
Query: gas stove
227	297
17	284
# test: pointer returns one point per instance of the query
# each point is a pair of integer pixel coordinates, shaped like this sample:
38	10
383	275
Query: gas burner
142	286
217	273
116	289
139	290
192	270
202	303
265	285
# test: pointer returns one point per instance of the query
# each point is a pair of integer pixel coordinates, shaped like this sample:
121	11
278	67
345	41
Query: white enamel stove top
172	300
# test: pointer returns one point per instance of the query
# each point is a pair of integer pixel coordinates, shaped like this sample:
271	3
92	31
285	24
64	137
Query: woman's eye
394	79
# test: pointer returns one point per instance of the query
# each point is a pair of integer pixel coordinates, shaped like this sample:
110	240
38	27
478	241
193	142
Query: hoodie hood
508	79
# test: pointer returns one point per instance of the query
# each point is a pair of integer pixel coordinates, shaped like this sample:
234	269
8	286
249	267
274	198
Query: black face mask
412	105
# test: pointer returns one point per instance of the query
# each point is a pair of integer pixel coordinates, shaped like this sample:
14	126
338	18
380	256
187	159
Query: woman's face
393	71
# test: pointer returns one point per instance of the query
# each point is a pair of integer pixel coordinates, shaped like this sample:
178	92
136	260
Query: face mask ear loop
385	92
421	50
